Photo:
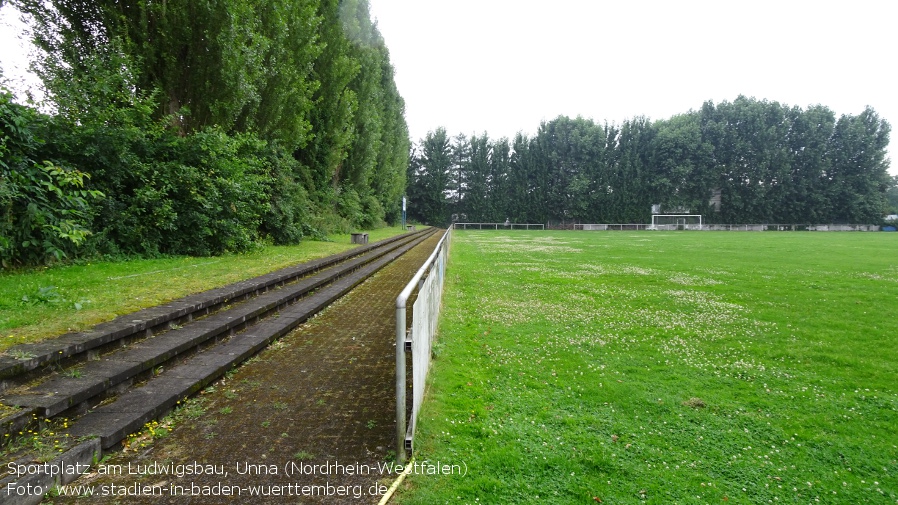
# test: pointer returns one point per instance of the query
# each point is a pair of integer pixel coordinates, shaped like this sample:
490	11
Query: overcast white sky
502	66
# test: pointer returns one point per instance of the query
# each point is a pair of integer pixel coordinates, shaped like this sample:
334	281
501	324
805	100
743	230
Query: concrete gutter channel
133	408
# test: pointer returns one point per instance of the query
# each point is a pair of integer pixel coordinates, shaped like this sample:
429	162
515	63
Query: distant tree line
892	197
746	161
199	128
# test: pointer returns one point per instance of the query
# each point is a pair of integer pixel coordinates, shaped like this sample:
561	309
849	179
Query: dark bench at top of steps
135	323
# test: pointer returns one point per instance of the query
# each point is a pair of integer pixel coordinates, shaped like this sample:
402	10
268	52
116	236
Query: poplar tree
432	165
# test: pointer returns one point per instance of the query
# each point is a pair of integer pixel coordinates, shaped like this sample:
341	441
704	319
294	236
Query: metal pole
400	383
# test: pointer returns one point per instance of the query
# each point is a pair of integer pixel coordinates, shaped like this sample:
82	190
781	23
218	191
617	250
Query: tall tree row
746	161
206	126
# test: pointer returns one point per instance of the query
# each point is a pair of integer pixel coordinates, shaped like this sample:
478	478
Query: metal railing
608	227
729	227
497	226
419	340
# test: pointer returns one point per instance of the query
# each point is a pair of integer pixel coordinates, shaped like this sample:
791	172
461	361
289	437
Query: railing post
400	383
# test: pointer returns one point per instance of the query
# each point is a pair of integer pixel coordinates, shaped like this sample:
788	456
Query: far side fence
668	227
497	226
428	281
729	227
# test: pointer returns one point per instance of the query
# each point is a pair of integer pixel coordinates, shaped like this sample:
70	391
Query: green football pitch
663	367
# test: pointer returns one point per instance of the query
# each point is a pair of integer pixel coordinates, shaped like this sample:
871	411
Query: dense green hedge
44	208
200	128
141	190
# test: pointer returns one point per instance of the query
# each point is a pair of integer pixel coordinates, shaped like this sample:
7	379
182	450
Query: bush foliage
247	123
44	208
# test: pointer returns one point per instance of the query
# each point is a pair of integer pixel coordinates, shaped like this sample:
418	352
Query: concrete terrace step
133	409
106	425
154	319
61	393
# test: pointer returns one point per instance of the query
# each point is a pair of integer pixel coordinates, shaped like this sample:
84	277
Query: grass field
664	367
44	302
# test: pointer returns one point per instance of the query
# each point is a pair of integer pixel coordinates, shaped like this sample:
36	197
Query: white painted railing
419	341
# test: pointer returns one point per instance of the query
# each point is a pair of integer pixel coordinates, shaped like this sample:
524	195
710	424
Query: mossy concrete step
135	408
110	423
37	480
61	393
148	321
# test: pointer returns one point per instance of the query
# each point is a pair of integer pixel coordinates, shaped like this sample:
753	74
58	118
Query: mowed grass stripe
665	367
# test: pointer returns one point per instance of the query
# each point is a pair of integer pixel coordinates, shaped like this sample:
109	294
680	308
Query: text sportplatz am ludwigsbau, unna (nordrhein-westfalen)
290	469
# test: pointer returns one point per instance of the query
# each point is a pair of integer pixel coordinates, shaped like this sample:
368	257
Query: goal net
676	222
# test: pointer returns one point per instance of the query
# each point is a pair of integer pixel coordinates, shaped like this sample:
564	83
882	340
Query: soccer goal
676	222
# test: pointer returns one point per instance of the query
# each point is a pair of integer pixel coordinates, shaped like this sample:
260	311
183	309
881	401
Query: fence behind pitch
498	226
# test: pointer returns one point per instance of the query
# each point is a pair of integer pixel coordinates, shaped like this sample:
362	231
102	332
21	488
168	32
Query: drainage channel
121	392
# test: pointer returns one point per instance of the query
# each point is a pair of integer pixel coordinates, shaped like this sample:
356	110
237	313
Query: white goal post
676	222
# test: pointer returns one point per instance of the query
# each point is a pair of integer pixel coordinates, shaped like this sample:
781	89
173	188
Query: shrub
44	208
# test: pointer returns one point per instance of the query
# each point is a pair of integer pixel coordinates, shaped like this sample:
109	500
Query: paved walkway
321	400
